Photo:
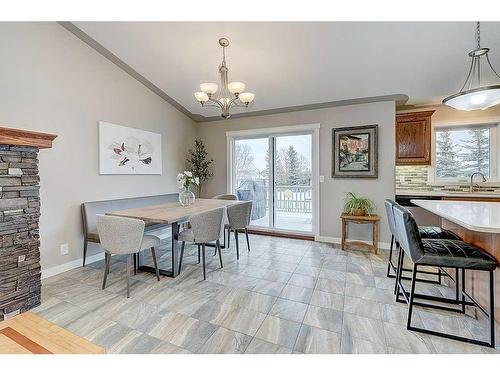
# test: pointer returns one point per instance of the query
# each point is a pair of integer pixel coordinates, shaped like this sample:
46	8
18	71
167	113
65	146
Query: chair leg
182	255
389	263
224	237
199	256
85	243
398	273
248	241
491	315
107	257
412	293
129	265
153	253
228	238
203	256
217	246
463	290
135	264
457	285
237	245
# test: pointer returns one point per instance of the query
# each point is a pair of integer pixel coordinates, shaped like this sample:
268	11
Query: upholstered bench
91	209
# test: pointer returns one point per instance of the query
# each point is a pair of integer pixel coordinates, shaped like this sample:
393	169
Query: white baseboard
337	240
70	265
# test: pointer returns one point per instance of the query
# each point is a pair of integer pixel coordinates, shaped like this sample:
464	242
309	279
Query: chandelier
472	95
230	94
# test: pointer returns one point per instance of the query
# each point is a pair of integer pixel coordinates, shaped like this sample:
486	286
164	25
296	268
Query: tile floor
285	296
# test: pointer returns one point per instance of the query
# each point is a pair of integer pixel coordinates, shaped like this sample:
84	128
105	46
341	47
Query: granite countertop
475	216
476	194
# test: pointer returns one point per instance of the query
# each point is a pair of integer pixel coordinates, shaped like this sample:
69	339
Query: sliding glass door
275	172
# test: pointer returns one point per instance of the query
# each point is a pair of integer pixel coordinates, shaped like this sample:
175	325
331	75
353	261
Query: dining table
172	214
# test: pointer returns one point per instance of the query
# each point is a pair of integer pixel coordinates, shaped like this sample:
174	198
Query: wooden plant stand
372	219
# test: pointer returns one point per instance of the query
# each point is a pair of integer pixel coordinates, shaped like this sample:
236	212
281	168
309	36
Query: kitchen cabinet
413	138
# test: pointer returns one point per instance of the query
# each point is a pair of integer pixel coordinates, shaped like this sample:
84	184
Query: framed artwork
124	150
355	152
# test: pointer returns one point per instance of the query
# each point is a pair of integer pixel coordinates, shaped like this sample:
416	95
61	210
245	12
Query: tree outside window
461	152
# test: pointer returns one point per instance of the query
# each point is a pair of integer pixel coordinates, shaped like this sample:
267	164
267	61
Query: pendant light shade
473	95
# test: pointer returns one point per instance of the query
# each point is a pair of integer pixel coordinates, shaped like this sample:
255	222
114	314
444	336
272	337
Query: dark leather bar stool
441	253
427	232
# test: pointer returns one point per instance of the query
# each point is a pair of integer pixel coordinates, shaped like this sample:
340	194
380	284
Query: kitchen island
477	223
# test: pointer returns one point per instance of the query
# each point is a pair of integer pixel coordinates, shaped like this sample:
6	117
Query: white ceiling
292	64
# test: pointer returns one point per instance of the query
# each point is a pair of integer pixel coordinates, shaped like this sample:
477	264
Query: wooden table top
169	213
360	218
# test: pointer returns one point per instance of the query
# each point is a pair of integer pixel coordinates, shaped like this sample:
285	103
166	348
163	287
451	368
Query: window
462	150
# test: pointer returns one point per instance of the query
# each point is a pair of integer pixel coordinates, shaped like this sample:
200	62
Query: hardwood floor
28	333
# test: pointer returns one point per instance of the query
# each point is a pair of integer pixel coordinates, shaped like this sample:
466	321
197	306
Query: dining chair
205	228
226	197
239	219
124	236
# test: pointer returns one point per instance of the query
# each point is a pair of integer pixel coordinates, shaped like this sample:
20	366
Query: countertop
420	193
475	216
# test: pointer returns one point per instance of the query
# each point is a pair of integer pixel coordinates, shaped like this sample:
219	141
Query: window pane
461	152
251	176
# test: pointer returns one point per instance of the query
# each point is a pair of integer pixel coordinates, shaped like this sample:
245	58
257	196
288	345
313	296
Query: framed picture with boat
355	152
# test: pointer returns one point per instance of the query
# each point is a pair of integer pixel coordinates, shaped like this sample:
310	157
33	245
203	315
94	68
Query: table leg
375	237
175	257
175	250
344	228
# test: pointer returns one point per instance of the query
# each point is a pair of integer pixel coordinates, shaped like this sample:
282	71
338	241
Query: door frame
280	131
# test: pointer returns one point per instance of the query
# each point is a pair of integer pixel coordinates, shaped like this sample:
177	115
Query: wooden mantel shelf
19	137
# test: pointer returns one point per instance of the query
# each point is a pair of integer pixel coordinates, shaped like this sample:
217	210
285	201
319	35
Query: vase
186	197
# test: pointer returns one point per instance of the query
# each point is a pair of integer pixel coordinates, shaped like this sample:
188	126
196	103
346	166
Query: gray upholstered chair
205	227
239	219
226	197
119	235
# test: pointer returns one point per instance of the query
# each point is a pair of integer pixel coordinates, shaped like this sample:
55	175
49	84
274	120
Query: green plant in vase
184	181
358	206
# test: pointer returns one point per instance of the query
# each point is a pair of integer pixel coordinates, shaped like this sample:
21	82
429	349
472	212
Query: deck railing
293	198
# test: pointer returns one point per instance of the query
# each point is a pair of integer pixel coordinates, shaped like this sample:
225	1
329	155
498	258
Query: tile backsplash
415	178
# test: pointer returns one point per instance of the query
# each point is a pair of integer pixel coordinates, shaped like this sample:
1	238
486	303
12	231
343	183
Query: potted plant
199	163
358	206
184	181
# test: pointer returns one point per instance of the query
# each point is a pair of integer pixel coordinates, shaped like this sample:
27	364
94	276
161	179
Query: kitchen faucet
471	186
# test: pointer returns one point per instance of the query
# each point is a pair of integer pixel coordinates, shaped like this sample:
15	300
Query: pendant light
472	95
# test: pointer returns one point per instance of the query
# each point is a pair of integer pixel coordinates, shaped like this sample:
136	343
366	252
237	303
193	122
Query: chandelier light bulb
247	97
209	88
236	87
201	96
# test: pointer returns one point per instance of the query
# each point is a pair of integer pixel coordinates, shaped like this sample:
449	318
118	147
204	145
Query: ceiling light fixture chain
229	95
475	96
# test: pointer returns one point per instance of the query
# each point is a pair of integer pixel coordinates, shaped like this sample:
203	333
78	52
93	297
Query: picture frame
124	150
355	152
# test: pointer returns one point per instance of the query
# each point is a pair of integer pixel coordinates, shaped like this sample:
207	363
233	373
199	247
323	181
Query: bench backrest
91	209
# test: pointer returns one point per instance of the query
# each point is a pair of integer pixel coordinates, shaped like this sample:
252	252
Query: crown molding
399	99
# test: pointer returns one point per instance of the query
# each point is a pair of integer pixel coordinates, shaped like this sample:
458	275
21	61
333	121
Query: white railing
293	198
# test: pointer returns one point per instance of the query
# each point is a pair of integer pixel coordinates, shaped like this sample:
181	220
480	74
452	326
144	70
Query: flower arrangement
186	179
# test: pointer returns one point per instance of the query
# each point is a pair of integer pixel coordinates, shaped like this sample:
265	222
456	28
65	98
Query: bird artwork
132	152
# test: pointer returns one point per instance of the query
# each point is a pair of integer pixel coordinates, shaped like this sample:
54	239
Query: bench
91	209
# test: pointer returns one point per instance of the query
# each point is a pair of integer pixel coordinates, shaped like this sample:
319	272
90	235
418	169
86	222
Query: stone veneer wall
19	239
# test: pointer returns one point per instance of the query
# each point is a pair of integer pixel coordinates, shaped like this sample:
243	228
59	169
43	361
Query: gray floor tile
278	331
363	307
364	328
258	346
324	318
226	341
312	340
327	300
287	309
354	345
296	293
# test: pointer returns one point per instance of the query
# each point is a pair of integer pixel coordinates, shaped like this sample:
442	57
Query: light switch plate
21	258
321	178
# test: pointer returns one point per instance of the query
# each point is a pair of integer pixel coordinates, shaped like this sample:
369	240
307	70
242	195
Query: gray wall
51	81
332	191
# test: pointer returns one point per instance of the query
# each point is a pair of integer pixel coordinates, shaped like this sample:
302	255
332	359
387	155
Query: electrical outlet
321	178
64	249
21	258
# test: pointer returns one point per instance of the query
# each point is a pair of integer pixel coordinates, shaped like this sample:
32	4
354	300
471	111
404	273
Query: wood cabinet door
413	138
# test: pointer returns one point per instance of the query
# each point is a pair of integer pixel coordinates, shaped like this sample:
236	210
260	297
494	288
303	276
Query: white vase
186	197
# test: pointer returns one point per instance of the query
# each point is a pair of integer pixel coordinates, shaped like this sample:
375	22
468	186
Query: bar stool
441	253
426	232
